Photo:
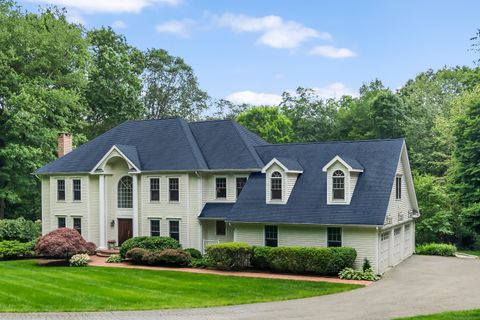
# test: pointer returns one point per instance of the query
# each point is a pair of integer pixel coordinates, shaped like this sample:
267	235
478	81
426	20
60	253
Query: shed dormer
280	177
342	175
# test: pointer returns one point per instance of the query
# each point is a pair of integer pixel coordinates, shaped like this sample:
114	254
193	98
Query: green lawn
27	287
455	315
472	252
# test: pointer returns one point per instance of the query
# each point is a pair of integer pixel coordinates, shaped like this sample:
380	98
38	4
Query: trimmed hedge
15	249
167	257
19	229
230	255
304	260
196	254
437	249
151	244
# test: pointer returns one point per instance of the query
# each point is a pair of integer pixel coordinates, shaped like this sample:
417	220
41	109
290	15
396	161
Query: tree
268	122
171	88
388	115
114	87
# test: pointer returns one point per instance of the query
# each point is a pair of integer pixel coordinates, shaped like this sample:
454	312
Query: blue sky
252	51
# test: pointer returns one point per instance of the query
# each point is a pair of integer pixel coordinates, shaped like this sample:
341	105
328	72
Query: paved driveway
419	285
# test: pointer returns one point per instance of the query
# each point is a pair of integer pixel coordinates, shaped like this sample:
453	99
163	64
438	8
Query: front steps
107	252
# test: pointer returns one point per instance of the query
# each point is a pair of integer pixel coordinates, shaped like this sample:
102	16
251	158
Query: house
215	181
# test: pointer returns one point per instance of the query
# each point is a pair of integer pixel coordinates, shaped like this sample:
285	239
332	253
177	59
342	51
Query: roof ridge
197	152
250	148
330	141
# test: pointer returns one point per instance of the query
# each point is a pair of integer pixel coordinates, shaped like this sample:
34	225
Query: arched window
276	186
338	185
125	193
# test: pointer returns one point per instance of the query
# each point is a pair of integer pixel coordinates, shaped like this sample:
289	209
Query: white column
135	205
101	210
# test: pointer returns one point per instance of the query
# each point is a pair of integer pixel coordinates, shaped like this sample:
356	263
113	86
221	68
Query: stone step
107	252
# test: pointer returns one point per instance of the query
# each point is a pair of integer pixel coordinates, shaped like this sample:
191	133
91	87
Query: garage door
384	251
397	238
408	241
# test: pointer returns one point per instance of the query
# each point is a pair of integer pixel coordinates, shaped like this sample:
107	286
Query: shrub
351	274
79	260
437	249
323	261
12	249
137	255
62	243
168	257
114	258
194	253
199	263
366	264
152	244
230	256
19	229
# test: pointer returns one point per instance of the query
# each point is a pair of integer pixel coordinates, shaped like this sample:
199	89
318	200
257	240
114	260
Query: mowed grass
454	315
27	287
472	252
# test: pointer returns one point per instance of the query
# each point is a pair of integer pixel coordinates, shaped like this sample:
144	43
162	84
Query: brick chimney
64	144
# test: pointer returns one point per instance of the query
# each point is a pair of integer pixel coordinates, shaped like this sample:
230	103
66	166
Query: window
241	181
62	222
271	236
77	224
397	231
385	236
173	189
276	186
398	188
334	237
175	230
125	193
77	189
221	188
61	190
154	189
338	185
407	228
220	228
155	228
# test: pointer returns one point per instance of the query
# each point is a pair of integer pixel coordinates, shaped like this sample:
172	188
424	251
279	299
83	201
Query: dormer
280	177
128	153
342	175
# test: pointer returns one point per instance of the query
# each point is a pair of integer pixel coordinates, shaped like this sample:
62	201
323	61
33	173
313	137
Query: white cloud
178	27
332	52
75	18
109	6
276	32
334	91
119	24
254	98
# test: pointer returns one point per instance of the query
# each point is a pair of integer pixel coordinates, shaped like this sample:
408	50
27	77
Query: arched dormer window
276	186
125	193
338	185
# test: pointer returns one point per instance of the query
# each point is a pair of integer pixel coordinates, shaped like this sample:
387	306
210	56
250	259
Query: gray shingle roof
353	163
131	153
291	164
215	210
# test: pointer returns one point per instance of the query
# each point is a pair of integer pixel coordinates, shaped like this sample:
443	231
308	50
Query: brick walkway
100	262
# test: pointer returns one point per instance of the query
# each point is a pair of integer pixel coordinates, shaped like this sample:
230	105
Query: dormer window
338	185
276	186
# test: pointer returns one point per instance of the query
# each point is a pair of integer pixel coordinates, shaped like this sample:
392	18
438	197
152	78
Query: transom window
338	185
77	189
241	181
125	193
276	186
61	190
154	189
221	187
220	228
155	228
173	192
334	237
271	236
77	224
398	188
174	229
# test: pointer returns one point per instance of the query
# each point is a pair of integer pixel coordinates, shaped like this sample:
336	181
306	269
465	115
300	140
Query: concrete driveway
419	285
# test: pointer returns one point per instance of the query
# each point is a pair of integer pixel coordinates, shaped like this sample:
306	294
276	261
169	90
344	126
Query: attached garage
384	251
407	246
397	245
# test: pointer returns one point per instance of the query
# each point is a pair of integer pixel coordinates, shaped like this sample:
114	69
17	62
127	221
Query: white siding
302	236
46	215
288	183
249	233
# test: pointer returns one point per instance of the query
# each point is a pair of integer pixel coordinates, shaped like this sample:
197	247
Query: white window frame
332	185
159	226
150	189
265	234
168	189
397	190
118	193
64	189
341	235
215	187
73	189
282	186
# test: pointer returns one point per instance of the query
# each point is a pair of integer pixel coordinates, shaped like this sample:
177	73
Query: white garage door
397	234
408	241
384	251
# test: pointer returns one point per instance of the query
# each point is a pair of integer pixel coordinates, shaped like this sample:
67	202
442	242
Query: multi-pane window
125	193
220	227
174	229
334	237
241	181
62	222
61	190
221	187
398	187
154	189
271	236
276	186
77	224
173	189
397	231
338	185
155	228
77	189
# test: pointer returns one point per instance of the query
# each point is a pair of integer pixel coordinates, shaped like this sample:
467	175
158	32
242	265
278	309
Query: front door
124	230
